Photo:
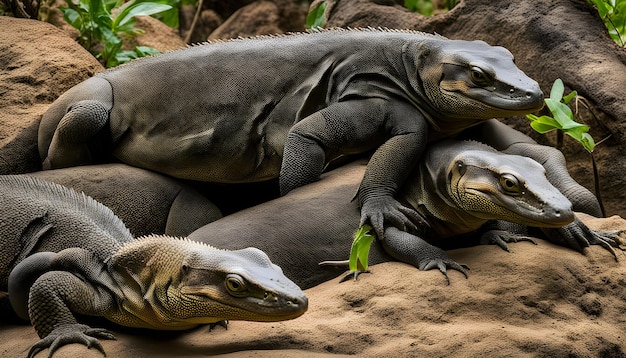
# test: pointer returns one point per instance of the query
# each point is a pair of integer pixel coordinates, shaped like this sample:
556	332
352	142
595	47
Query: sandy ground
536	301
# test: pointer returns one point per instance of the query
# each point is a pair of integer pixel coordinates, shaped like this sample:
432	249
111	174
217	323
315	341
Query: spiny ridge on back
61	196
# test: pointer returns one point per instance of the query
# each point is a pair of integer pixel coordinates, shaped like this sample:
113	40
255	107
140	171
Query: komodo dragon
458	187
62	253
297	102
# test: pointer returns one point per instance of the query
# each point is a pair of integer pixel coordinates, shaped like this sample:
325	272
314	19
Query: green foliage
101	22
427	7
563	117
359	253
316	18
613	13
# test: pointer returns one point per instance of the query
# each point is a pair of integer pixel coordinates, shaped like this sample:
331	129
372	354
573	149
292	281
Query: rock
38	63
157	35
262	18
208	21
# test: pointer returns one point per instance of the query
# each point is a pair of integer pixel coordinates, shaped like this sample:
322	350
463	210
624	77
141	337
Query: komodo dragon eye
235	284
510	183
479	76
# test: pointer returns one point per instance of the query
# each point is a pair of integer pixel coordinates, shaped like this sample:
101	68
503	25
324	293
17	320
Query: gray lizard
63	254
283	106
458	187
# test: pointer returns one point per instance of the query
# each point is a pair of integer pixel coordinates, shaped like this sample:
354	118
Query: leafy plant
359	252
564	121
427	7
563	117
101	23
316	17
613	13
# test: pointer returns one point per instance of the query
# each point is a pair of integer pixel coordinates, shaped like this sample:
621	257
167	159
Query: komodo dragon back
284	106
41	216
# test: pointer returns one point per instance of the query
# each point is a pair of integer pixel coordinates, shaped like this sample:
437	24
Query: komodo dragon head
180	283
466	80
466	183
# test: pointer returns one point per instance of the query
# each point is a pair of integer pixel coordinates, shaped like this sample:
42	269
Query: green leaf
72	17
315	18
128	12
569	97
556	93
602	8
359	253
143	51
588	143
543	124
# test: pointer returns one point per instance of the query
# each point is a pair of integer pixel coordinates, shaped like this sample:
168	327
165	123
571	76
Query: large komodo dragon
62	253
458	187
283	106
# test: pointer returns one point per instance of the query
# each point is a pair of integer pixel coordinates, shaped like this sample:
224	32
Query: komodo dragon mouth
251	303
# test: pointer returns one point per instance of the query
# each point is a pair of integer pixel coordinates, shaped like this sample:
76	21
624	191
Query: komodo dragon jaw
185	283
474	77
513	188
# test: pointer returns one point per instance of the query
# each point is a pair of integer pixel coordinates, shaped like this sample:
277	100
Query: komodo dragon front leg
414	250
356	126
42	287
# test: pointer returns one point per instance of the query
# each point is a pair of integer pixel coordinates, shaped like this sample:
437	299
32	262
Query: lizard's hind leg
76	130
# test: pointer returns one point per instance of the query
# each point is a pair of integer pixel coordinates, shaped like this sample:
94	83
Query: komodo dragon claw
502	238
71	333
443	265
579	236
382	212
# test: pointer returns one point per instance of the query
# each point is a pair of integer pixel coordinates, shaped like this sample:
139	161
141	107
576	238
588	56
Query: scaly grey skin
315	223
145	201
283	106
63	254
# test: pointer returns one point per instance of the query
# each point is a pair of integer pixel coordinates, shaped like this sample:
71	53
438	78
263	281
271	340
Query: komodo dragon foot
502	238
579	236
71	333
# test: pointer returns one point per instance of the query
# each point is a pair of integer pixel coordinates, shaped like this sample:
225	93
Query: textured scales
283	106
64	254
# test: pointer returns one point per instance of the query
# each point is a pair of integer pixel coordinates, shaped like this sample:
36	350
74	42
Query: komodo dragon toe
502	238
579	236
71	333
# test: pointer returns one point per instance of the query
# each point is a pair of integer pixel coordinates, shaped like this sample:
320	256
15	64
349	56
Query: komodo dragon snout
234	288
511	188
474	76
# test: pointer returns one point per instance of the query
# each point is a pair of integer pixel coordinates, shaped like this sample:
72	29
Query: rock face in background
230	19
550	39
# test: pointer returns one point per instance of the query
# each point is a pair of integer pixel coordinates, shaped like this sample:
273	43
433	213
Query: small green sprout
316	17
359	253
563	117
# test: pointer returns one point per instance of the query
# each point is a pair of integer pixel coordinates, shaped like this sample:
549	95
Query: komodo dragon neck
462	185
